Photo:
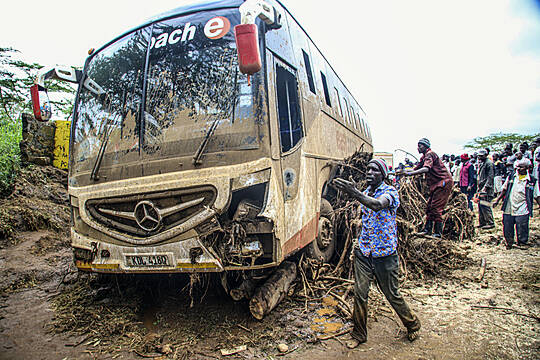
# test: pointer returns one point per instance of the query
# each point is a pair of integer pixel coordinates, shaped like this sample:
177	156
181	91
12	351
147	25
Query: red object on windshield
247	46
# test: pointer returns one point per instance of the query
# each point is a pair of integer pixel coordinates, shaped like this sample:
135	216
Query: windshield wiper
200	151
204	143
106	134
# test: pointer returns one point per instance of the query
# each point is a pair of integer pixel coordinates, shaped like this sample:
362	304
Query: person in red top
440	185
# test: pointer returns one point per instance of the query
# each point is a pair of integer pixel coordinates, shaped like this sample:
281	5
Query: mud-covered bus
179	162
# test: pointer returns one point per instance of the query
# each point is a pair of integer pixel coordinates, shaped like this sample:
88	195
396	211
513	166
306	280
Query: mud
49	311
38	200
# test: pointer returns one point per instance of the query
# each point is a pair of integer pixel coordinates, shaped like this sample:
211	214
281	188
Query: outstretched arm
422	170
372	203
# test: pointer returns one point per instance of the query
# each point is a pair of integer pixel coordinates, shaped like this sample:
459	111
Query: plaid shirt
379	228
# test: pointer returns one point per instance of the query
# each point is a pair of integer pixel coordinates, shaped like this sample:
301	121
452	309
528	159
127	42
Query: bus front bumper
188	255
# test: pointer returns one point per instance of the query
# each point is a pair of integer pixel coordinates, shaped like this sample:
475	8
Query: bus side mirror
247	46
40	103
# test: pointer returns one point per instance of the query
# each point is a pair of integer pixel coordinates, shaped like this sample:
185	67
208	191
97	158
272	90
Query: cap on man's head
464	157
381	164
482	152
425	142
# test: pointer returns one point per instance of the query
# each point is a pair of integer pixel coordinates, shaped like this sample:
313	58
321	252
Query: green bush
10	136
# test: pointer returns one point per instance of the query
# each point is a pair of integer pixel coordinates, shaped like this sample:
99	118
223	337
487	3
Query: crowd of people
509	176
487	178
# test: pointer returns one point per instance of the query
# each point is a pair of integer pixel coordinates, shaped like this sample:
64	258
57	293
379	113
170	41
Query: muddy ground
50	311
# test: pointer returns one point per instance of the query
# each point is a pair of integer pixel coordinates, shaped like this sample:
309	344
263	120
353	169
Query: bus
180	162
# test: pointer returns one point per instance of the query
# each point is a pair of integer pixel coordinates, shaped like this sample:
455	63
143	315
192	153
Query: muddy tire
324	245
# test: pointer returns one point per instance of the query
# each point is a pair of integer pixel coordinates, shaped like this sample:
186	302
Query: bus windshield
164	87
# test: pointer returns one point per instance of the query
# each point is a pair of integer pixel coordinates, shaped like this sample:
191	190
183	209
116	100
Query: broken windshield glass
111	117
191	90
195	97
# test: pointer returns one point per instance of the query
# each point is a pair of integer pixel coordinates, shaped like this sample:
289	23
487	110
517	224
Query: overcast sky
446	70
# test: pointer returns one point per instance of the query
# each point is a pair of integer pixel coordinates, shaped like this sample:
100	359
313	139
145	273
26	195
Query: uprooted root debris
419	255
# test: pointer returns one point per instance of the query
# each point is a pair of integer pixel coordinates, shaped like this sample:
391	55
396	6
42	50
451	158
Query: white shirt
457	171
517	201
446	165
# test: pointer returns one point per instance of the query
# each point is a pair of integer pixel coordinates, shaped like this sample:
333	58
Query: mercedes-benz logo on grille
147	215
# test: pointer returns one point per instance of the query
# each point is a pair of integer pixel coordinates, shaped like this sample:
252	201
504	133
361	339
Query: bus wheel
323	246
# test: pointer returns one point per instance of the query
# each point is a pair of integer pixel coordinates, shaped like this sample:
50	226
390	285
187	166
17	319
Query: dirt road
47	311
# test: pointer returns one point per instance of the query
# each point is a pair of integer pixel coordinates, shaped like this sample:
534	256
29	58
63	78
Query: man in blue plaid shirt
376	257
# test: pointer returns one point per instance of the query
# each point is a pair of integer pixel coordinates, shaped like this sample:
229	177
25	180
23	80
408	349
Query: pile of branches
419	255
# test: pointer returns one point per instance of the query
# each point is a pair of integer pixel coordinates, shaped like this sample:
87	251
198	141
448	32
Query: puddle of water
326	312
324	324
329	301
148	319
327	327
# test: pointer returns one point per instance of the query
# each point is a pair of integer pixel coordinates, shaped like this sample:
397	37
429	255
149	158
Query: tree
497	141
16	77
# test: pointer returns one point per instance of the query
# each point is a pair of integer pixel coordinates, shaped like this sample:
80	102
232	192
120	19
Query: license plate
157	260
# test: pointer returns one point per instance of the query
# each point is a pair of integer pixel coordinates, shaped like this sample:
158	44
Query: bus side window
339	103
325	88
290	122
308	72
363	127
346	112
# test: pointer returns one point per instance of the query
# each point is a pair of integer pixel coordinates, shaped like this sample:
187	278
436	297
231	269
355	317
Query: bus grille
148	214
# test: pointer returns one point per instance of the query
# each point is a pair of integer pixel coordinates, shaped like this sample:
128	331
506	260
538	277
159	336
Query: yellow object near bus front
61	144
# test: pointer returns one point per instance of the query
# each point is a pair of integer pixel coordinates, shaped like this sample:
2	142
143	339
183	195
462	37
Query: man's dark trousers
521	224
385	271
485	213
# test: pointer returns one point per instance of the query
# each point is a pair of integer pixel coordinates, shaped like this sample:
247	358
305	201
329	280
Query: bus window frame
347	114
309	72
327	99
340	106
294	71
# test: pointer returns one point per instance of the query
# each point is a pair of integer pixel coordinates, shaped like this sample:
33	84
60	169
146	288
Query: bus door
287	128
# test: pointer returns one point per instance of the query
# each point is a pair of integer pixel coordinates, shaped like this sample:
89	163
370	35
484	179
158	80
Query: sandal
412	335
354	342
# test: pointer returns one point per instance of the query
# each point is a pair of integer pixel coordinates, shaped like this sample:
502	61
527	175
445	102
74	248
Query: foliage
497	141
16	77
9	152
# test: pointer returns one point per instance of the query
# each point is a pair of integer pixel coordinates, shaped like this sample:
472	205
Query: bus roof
212	5
182	10
320	52
194	7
